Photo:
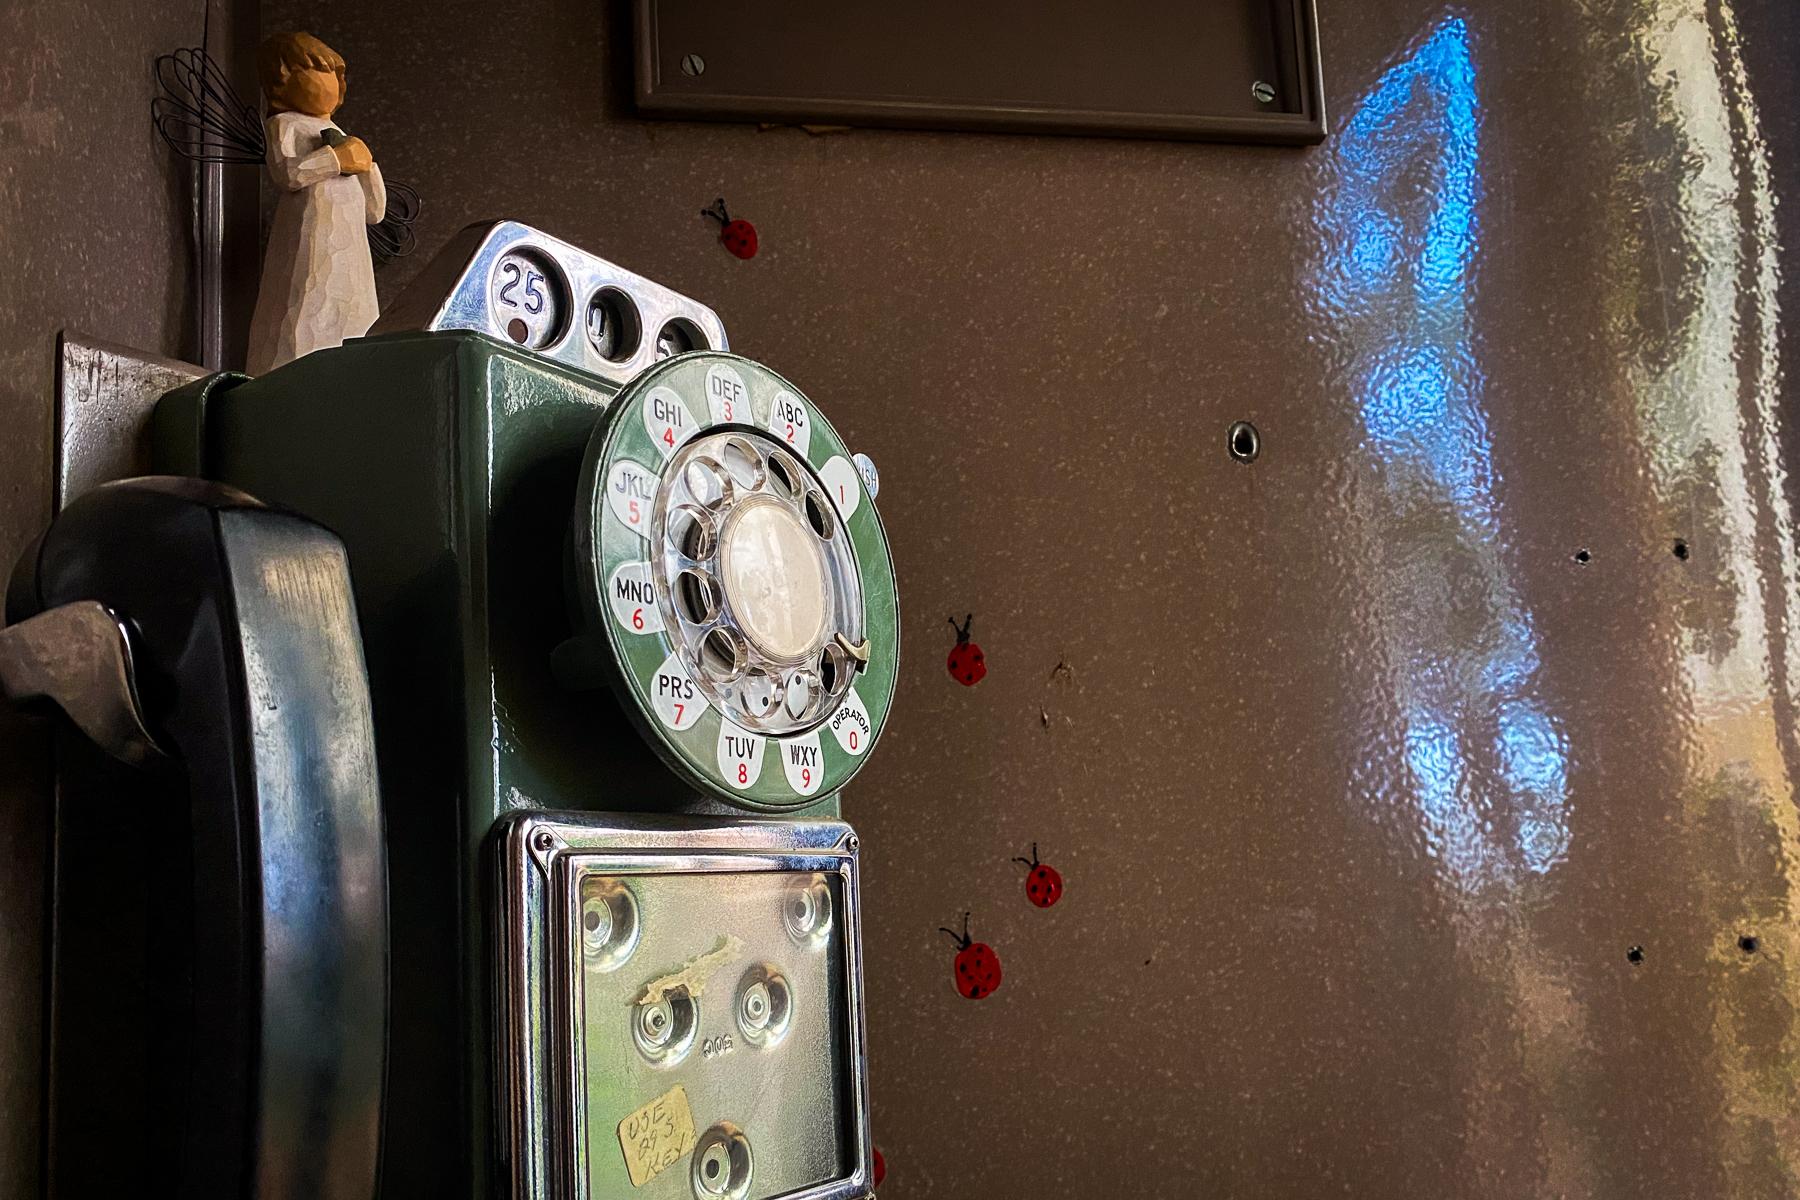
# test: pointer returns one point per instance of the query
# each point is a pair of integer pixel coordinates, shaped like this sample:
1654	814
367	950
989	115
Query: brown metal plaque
1231	70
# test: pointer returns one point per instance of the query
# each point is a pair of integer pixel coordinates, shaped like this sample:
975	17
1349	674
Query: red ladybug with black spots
1043	885
738	236
977	972
966	665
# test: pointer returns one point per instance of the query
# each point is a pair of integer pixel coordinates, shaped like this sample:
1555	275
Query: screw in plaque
693	64
1263	91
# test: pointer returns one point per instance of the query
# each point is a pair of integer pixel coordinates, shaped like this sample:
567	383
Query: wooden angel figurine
318	281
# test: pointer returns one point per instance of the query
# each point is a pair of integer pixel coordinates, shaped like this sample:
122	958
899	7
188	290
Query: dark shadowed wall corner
96	220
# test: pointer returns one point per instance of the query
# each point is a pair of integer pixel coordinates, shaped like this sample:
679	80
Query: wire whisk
392	237
200	114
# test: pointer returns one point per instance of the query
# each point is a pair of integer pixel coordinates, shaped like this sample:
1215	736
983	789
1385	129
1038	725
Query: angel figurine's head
301	74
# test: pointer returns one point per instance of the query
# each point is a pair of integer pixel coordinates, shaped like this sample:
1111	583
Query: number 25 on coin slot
470	725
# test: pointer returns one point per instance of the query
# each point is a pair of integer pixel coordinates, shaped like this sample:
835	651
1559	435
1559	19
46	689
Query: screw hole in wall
1584	557
1243	442
1681	549
1749	943
1635	955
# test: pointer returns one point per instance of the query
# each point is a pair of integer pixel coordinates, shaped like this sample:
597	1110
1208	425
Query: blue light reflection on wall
1487	764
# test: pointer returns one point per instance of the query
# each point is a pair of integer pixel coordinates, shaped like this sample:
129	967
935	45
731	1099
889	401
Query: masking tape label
657	1136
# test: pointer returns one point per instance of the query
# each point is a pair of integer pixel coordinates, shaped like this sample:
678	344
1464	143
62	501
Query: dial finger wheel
727	547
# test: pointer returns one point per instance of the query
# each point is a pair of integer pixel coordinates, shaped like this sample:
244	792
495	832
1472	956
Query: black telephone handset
212	642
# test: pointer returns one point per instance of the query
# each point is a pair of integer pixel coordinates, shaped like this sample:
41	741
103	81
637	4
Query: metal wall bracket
105	395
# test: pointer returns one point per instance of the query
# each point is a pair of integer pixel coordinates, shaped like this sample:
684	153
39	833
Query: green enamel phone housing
448	462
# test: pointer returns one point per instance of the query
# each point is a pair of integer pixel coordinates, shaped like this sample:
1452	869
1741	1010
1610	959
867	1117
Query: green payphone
629	623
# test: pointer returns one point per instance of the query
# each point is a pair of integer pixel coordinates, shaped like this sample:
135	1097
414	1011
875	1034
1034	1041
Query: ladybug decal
880	1167
977	966
966	665
738	236
1043	886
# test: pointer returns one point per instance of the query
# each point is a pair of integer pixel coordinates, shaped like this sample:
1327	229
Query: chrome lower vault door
680	1015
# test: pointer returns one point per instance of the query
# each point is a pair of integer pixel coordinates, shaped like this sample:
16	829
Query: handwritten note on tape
657	1136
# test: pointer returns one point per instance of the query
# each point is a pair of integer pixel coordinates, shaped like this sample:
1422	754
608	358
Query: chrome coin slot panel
721	958
520	285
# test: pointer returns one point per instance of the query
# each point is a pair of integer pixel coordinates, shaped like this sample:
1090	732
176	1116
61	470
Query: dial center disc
773	575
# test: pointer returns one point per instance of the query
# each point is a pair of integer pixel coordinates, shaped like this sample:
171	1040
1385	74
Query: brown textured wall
1361	784
94	225
1363	787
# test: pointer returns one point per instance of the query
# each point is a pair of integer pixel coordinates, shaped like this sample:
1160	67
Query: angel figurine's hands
353	156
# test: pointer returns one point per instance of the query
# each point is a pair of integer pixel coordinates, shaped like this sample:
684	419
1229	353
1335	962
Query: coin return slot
613	329
722	1164
664	1029
765	1005
609	925
696	597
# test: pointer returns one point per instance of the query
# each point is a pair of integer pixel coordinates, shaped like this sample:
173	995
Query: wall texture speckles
95	218
1365	786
